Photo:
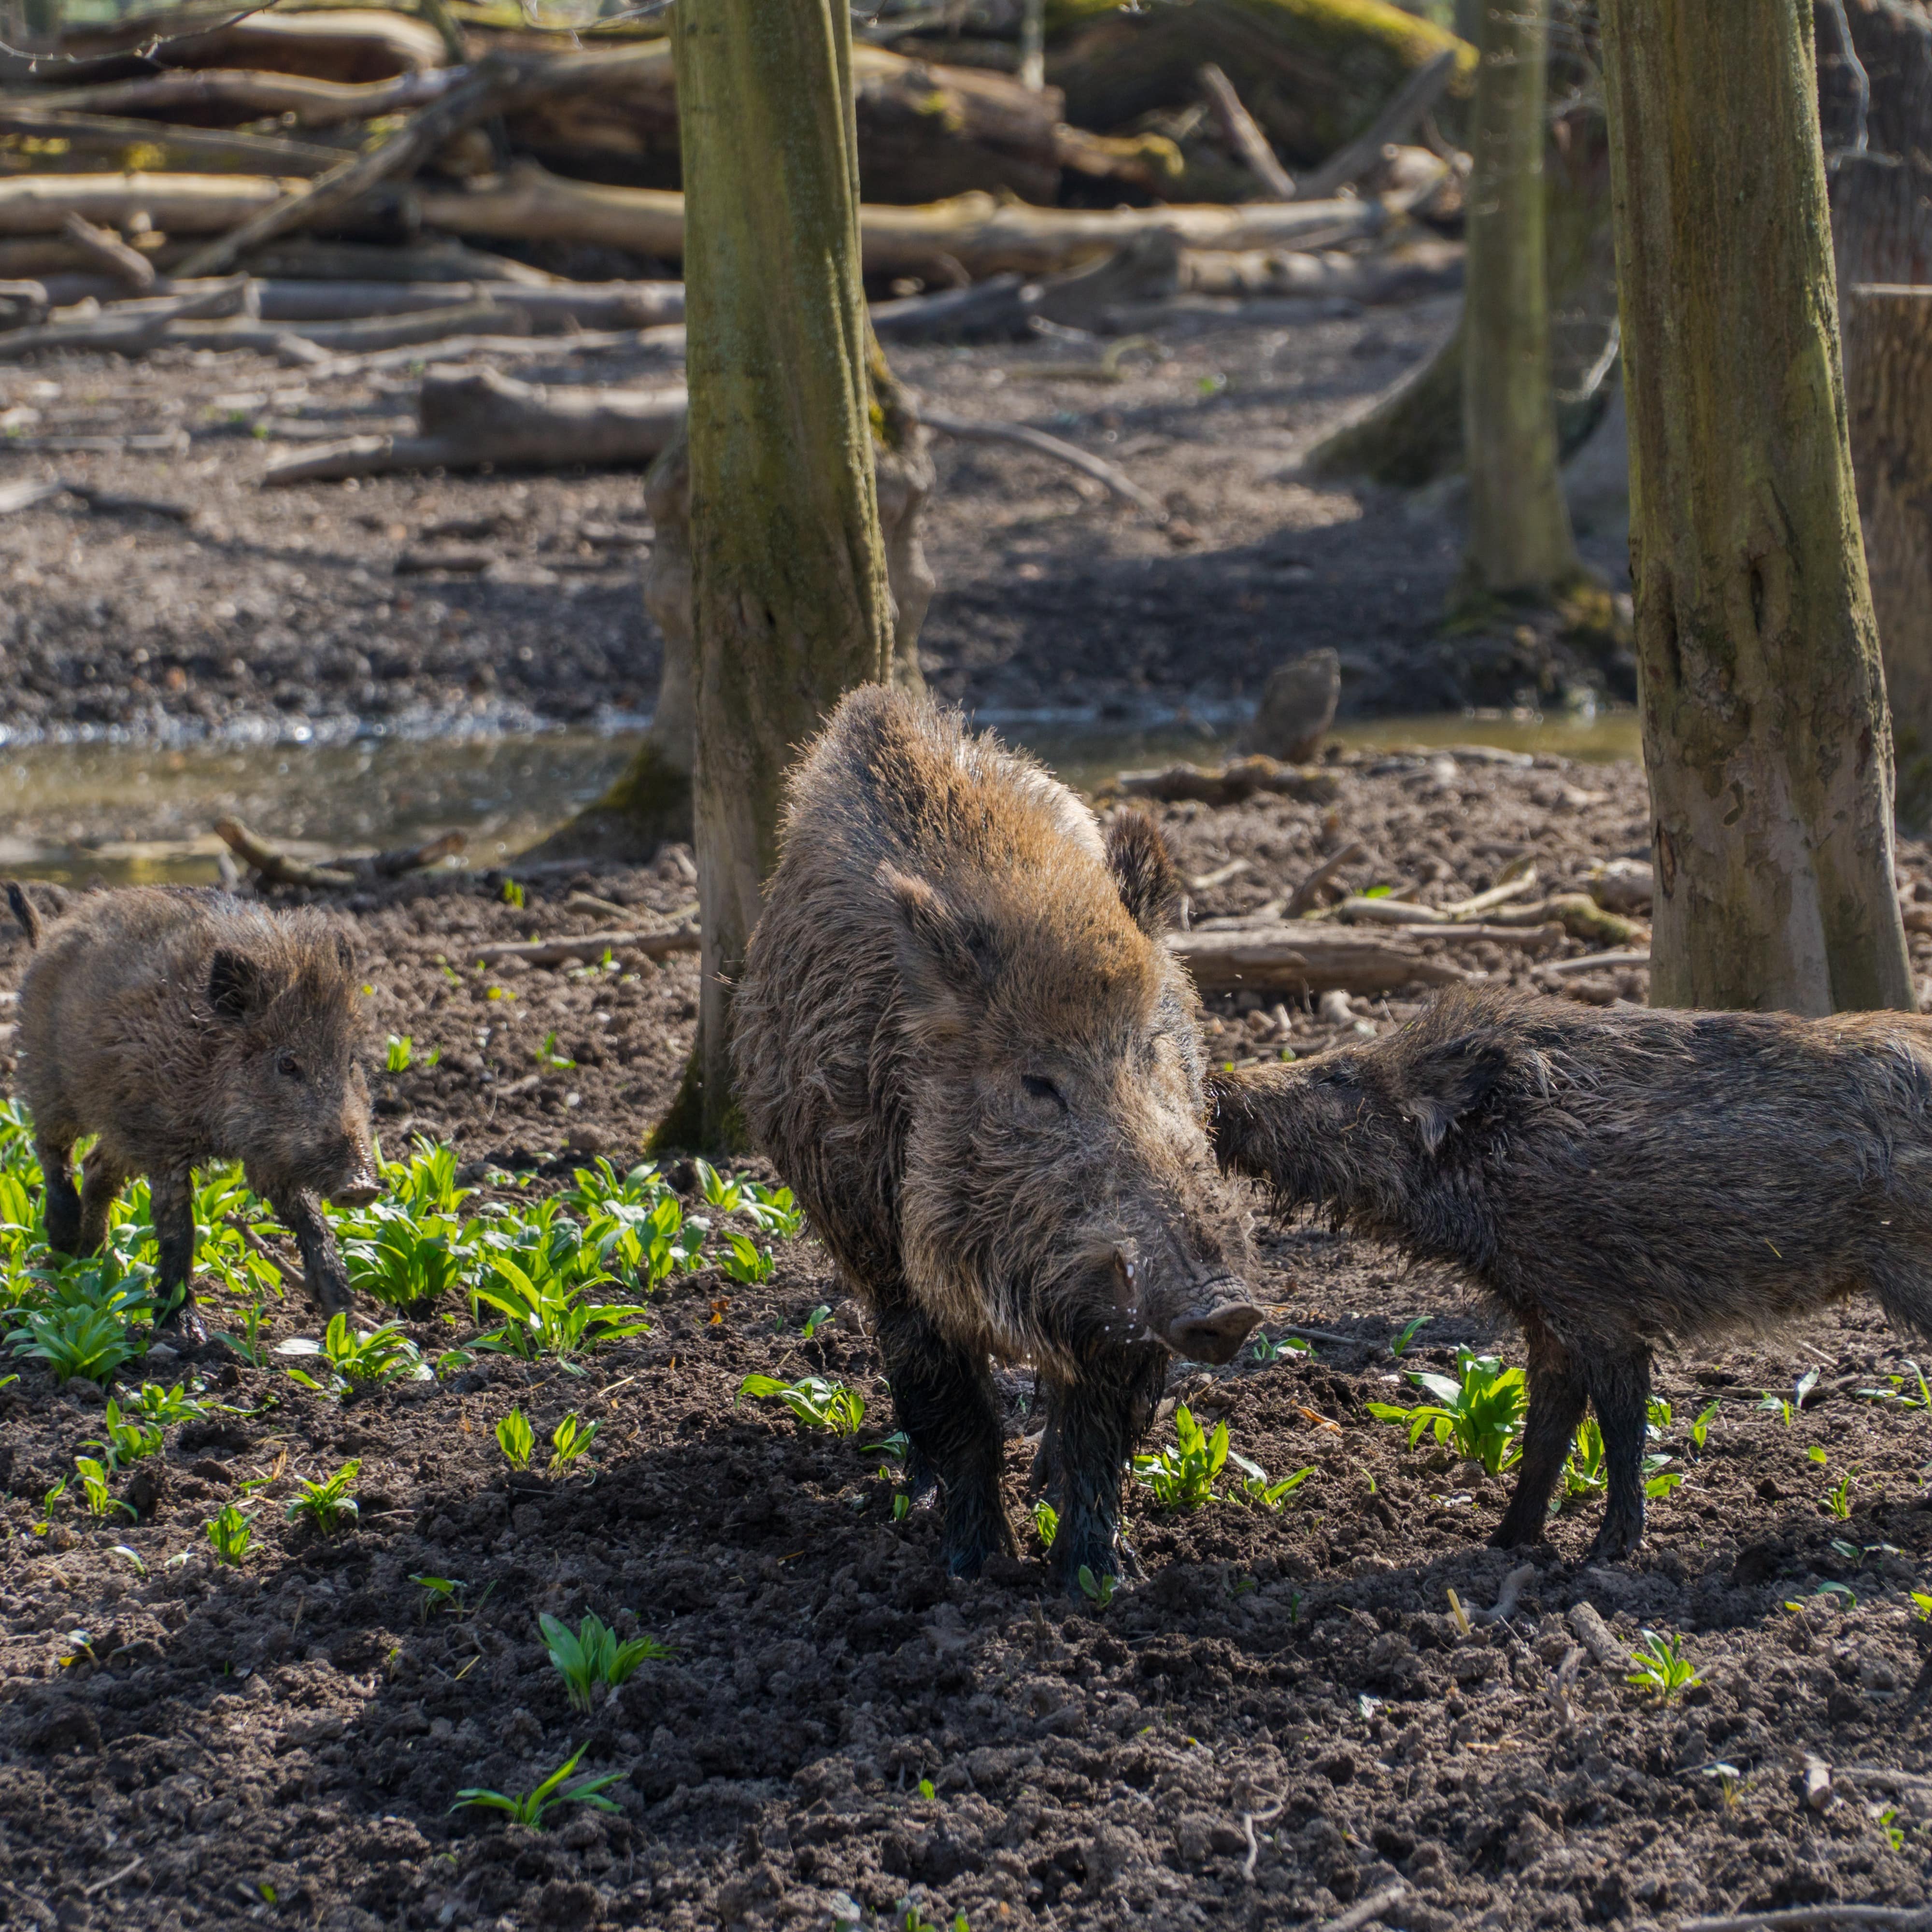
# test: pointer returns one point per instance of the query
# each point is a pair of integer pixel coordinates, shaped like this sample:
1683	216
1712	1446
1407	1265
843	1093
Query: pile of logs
354	181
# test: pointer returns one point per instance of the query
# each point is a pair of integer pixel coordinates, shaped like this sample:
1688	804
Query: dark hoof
183	1326
1614	1545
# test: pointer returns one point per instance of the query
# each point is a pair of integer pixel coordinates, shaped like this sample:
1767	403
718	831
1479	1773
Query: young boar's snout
1199	1312
1215	1327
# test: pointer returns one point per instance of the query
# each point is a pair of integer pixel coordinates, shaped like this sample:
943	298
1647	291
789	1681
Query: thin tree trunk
1520	540
1881	225
789	597
1765	734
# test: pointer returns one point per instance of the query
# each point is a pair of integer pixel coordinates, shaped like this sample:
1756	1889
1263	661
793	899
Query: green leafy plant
94	1482
746	1262
1658	1665
542	1282
821	1317
1898	1395
1584	1469
126	1442
593	1653
324	1505
406	1256
1921	1601
1256	1487
774	1210
516	1438
1099	1591
816	1402
1266	1350
571	1438
550	1054
1182	1474
353	1360
82	1324
231	1533
530	1809
511	894
425	1182
166	1405
1412	1327
400	1051
252	1344
1838	1498
1700	1429
1479	1410
1045	1522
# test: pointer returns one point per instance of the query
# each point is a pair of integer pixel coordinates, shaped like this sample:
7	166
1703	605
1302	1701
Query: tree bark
789	596
1519	540
1765	734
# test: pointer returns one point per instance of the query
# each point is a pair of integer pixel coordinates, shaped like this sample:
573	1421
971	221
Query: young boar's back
119	1035
820	1021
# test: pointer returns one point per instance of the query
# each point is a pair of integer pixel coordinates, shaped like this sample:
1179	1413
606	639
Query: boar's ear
945	957
345	953
1446	1082
234	984
1150	885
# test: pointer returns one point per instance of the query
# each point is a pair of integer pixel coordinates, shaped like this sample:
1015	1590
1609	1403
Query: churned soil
509	602
1286	1717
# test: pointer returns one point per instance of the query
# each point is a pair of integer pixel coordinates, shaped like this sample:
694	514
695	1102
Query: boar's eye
1040	1088
288	1066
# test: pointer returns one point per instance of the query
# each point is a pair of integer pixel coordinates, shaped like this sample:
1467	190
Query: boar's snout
357	1192
1215	1327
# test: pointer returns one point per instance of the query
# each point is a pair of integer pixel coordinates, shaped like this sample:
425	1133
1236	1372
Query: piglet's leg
1092	1426
945	1403
322	1260
101	1181
1620	1393
1557	1395
173	1195
63	1202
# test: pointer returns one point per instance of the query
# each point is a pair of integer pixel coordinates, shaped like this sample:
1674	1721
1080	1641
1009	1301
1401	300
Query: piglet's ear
947	959
234	984
1149	883
1446	1082
345	953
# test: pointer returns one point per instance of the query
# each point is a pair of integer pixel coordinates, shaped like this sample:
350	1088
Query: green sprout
127	1442
821	1317
1099	1591
511	894
399	1052
747	1261
231	1534
1182	1474
816	1402
353	1359
593	1654
1659	1665
324	1504
571	1438
1838	1498
1480	1409
1897	1395
1412	1327
1045	1522
529	1808
1701	1428
516	1438
93	1480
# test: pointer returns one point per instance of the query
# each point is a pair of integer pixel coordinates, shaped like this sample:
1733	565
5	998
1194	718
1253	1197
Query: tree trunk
1520	540
789	597
1881	229
1765	736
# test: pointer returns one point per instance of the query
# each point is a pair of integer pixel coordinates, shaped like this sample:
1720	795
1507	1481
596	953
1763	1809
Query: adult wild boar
961	1039
182	1026
1617	1181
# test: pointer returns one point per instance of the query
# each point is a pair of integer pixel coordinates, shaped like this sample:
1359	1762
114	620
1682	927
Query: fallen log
341	44
1403	274
275	867
320	366
128	328
22	304
302	259
195	147
396	331
592	946
1230	784
176	204
235	94
1306	958
126	267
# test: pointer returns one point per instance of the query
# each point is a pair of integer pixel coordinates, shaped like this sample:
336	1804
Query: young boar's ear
1150	884
1446	1082
345	953
946	956
234	982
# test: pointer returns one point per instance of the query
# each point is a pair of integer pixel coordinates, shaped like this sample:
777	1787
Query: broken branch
1116	481
1306	958
592	946
276	867
1245	136
127	266
1406	106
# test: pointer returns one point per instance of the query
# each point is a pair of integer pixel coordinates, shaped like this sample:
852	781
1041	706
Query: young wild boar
960	1040
181	1026
1617	1181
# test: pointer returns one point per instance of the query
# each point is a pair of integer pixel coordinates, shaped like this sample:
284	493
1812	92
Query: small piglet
1618	1180
182	1026
961	1039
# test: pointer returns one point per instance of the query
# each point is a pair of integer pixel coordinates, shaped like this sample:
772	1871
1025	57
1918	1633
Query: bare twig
1591	962
592	946
113	1879
277	867
1410	101
1304	895
392	865
1244	134
1799	1919
1593	1633
1117	481
125	264
1370	1908
1505	1606
1250	1819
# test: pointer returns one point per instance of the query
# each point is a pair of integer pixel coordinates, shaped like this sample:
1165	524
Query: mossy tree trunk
1519	540
789	602
1765	732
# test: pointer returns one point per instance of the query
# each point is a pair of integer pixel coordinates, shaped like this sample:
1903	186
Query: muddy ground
320	608
1284	1719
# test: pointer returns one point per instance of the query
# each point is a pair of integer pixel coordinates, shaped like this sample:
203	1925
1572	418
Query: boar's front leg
173	1192
945	1403
101	1181
1093	1424
1558	1393
328	1274
62	1211
1620	1393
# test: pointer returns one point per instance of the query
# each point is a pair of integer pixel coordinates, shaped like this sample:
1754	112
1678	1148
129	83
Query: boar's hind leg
101	1181
1620	1393
1558	1392
1092	1427
945	1403
63	1202
173	1195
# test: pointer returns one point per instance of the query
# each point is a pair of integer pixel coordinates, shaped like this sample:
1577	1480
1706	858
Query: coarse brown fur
1619	1180
182	1026
960	1039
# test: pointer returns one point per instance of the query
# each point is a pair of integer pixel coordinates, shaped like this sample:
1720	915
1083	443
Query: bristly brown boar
181	1026
1618	1180
960	1039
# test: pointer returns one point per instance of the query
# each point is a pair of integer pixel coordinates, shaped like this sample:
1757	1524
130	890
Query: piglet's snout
1216	1325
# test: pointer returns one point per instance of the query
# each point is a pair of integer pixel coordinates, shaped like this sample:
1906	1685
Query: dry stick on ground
320	366
1371	1909
1304	895
1306	958
1504	1608
1410	101
1587	1624
277	867
412	144
212	148
1801	1917
1250	1819
1117	481
128	266
592	946
1592	962
1245	136
24	495
128	328
185	93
